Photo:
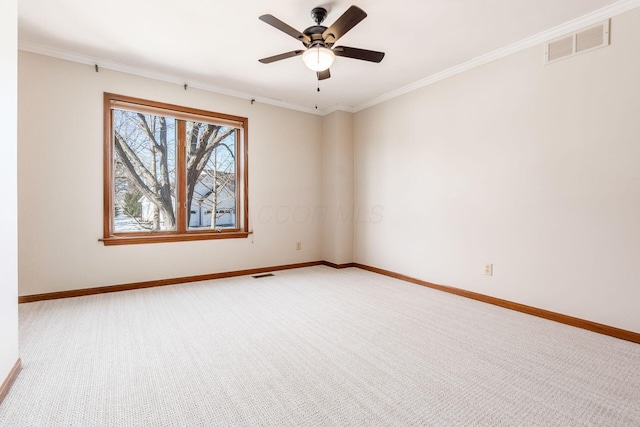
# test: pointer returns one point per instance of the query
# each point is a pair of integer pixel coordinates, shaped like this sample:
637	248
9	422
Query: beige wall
534	168
9	187
337	187
60	183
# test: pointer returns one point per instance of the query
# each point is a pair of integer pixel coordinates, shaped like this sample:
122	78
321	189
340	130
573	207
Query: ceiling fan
319	40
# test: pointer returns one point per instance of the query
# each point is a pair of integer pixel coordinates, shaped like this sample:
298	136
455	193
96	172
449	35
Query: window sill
163	238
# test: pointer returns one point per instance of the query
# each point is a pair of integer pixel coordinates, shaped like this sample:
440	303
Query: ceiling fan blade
286	55
322	75
355	53
347	21
285	28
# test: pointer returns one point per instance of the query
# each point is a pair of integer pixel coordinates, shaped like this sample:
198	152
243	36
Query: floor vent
260	276
584	40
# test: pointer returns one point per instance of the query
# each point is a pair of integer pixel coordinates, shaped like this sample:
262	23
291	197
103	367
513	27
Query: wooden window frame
181	233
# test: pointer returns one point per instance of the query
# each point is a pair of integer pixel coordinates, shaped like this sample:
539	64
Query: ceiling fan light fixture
318	58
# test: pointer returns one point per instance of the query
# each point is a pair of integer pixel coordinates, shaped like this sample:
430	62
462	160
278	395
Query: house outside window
172	173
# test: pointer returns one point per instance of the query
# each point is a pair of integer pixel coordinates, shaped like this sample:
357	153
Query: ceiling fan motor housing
315	34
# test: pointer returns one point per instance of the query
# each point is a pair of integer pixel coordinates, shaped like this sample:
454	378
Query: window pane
211	176
144	172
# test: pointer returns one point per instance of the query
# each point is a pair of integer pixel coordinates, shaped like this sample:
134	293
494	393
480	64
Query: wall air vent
260	276
584	40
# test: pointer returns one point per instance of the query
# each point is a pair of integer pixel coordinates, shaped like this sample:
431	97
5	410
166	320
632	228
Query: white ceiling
217	44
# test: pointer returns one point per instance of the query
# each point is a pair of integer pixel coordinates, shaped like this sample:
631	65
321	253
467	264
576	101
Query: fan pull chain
317	87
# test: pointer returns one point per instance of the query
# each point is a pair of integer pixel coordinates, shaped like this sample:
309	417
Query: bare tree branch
131	170
150	134
139	174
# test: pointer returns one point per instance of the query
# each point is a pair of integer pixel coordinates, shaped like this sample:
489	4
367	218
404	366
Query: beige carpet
307	347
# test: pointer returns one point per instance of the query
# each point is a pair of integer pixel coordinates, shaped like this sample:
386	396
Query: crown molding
143	72
575	24
337	107
568	27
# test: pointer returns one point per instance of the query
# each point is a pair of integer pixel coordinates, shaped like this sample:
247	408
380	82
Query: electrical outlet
298	246
488	269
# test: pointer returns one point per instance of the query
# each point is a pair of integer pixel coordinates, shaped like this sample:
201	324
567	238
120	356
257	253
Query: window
172	173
